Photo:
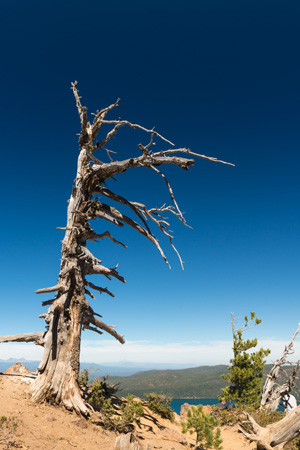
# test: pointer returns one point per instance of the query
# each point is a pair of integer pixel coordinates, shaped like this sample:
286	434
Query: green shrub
204	426
160	404
100	391
130	412
293	445
98	394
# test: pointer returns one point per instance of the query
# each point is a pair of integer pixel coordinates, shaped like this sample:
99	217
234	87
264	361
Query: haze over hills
13	360
119	368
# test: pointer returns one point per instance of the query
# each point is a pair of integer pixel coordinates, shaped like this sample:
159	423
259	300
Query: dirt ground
47	427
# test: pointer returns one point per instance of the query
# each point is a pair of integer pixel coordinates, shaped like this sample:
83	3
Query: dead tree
69	310
271	395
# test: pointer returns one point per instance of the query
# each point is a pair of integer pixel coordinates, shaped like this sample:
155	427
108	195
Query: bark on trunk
59	369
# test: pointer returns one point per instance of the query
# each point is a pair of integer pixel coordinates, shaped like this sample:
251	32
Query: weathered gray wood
103	326
37	338
270	395
49	289
276	435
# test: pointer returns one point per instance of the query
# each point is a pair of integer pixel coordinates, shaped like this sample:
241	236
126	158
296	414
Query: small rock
17	369
127	442
81	423
207	409
50	419
173	435
183	411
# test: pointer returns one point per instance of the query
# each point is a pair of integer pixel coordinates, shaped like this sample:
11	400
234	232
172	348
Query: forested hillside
204	381
197	382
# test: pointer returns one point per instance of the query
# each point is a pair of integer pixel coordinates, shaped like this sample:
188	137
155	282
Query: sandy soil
47	427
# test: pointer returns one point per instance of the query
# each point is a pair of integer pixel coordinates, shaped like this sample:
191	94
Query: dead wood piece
93	236
97	288
103	326
102	270
276	435
37	338
127	442
49	289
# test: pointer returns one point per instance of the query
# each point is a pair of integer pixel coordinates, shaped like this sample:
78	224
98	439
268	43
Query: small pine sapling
204	426
247	369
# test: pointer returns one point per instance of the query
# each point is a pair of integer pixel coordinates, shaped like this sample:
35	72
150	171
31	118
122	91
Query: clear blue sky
221	78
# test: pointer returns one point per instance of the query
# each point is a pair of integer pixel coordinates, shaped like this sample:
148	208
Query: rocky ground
47	427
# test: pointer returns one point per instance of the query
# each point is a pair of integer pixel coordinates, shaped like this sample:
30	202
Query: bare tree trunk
276	435
59	369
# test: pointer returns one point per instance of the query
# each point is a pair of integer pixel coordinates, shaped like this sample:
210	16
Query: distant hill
204	381
121	368
126	368
197	382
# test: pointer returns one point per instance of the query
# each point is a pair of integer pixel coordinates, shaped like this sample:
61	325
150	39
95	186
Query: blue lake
177	402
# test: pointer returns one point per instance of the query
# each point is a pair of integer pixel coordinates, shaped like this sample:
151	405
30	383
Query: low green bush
160	404
130	411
